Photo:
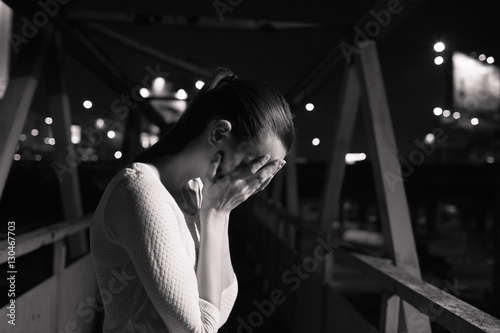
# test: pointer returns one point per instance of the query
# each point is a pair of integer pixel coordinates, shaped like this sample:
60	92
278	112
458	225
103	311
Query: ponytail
252	108
220	78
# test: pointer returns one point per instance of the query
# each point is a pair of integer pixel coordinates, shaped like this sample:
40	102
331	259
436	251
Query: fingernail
267	157
282	163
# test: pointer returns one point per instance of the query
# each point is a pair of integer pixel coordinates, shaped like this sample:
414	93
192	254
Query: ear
219	131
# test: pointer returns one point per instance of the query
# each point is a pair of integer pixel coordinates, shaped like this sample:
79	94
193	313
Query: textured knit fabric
145	253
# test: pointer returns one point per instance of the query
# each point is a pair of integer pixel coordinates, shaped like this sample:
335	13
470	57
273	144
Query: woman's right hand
224	194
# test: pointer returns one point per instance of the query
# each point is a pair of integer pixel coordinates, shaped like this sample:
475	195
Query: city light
474	121
351	158
34	132
439	47
87	104
48	120
22	137
158	85
181	94
99	123
118	154
482	57
456	115
446	113
153	139
76	134
438	60
438	111
199	84
309	106
315	141
144	137
144	92
17	157
429	138
490	159
490	60
111	134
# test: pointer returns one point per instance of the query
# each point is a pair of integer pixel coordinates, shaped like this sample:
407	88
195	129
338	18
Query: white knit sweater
145	253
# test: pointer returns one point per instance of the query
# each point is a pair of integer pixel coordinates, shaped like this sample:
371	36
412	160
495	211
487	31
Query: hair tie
230	79
233	78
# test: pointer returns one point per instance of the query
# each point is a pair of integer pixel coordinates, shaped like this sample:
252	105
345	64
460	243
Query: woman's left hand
224	194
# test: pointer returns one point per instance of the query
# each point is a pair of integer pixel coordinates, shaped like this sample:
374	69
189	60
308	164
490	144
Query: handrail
447	310
34	240
444	308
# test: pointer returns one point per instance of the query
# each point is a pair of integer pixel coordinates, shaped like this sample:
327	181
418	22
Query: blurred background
128	69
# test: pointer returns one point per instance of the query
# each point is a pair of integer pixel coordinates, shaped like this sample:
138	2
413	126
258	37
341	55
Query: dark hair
252	107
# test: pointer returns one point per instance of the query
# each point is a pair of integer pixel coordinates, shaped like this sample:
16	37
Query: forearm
209	267
227	271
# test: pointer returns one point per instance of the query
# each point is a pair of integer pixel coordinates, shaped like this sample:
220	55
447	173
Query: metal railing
299	239
56	304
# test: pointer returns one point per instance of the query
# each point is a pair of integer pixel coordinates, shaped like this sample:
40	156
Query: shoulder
136	187
138	203
134	175
138	179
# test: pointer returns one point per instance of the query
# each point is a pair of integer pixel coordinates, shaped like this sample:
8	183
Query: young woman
159	237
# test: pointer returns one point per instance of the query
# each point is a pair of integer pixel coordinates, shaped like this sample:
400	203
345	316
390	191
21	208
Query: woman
159	237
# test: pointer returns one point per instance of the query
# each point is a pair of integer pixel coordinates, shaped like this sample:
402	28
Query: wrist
213	220
213	214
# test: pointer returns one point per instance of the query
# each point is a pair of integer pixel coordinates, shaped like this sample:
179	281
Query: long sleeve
228	297
145	222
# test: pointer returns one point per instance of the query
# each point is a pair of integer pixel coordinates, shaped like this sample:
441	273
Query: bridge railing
64	302
284	243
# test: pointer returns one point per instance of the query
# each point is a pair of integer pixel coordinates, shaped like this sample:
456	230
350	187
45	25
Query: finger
263	186
212	168
281	165
254	181
270	169
254	166
262	178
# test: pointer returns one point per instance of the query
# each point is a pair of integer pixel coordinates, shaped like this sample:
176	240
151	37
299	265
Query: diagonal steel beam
76	42
18	96
391	196
5	26
183	20
98	63
342	131
314	79
148	50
